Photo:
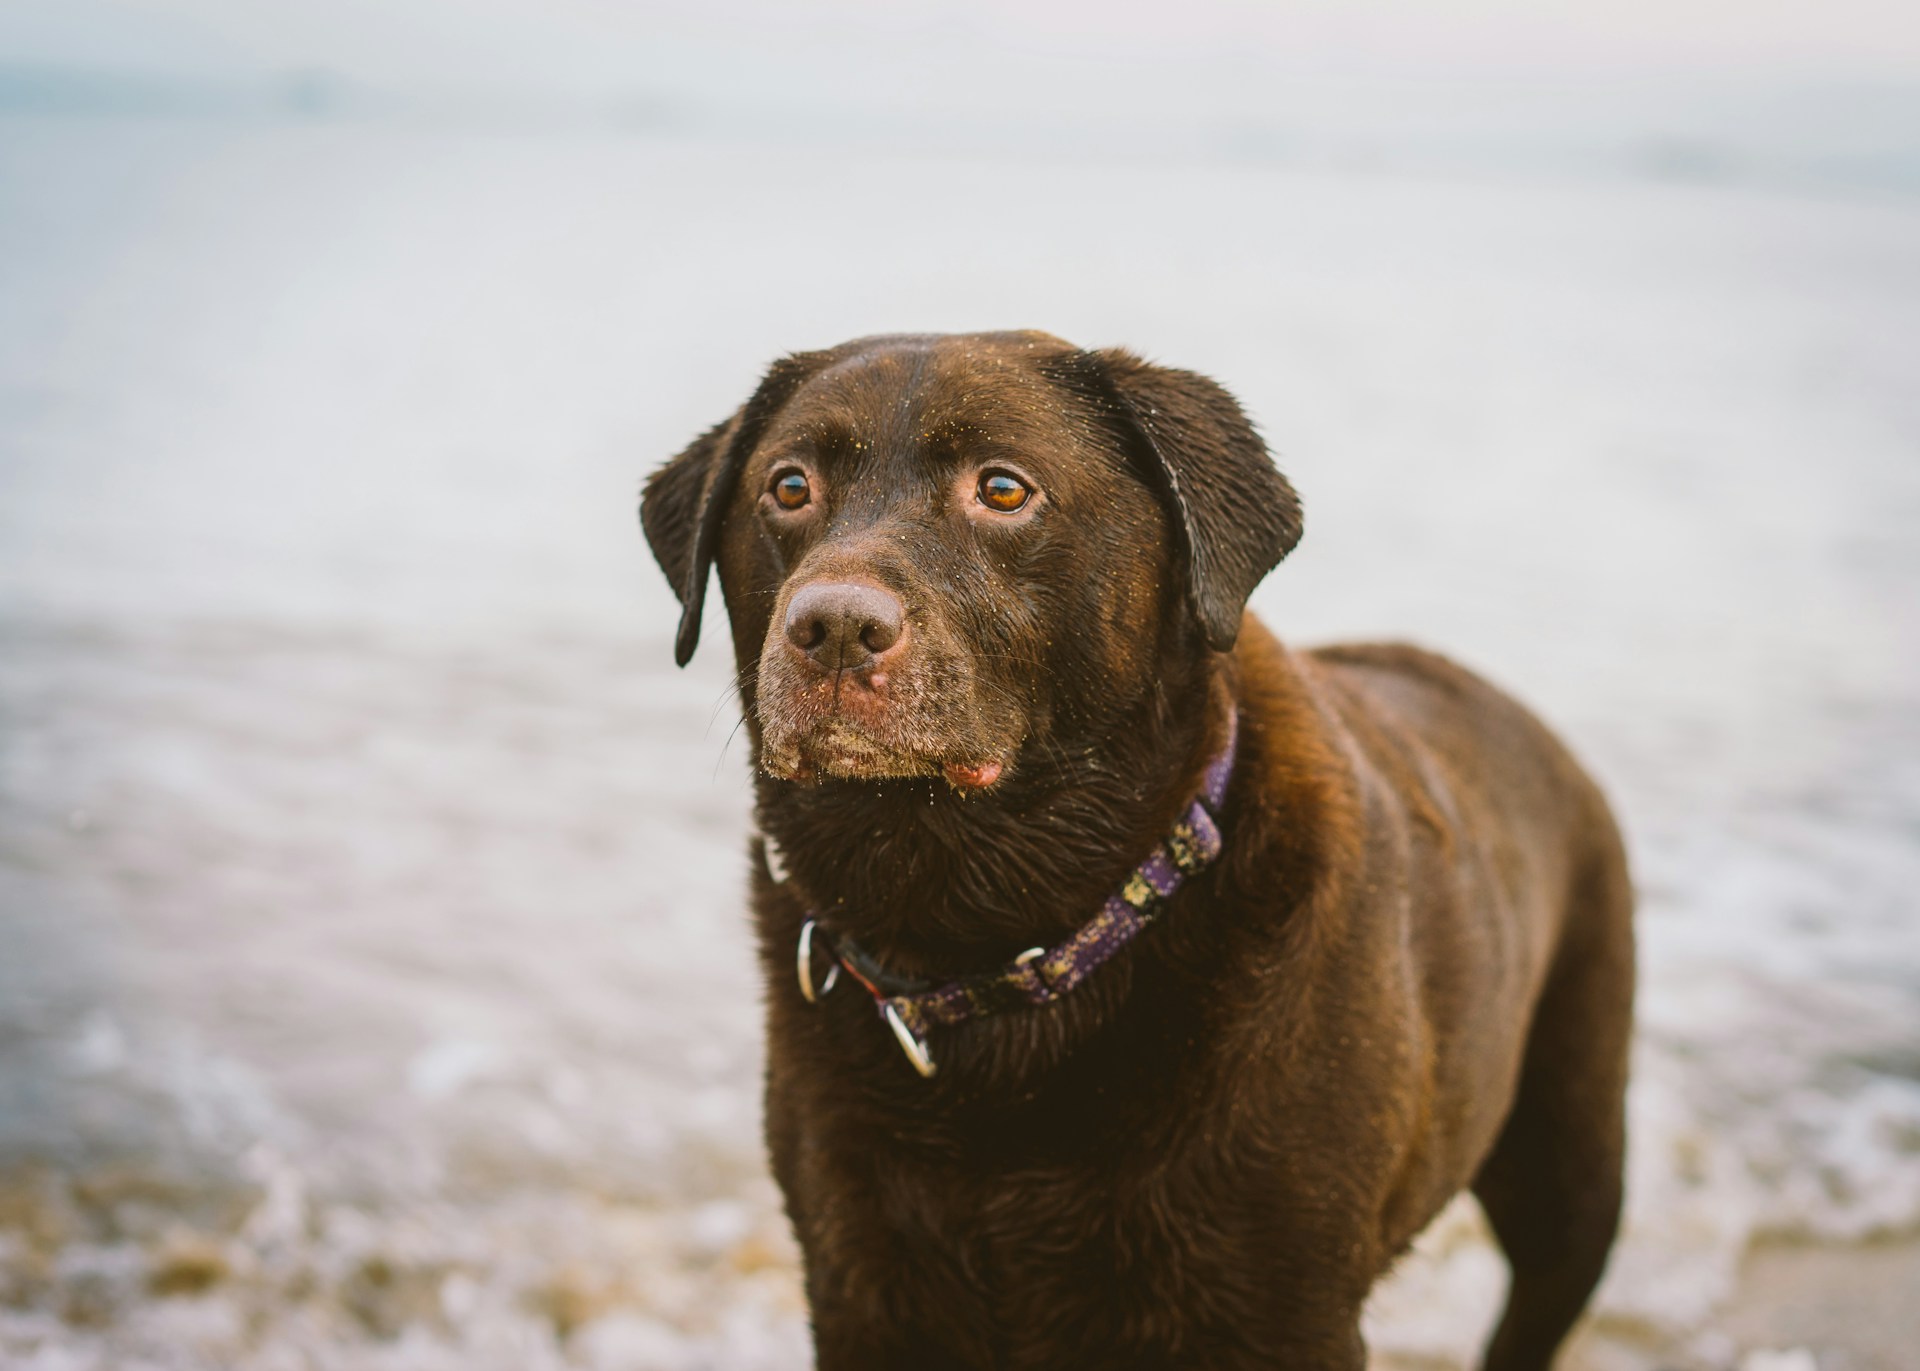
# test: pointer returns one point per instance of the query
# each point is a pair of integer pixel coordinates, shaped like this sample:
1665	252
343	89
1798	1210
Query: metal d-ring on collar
1040	975
804	968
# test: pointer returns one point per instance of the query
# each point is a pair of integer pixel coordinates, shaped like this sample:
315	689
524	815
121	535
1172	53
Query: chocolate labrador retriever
1136	988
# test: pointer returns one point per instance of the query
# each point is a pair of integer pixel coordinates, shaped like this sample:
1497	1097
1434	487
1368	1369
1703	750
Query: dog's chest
1141	1251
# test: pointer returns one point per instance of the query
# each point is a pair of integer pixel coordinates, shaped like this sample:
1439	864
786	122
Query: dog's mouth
845	748
892	729
973	775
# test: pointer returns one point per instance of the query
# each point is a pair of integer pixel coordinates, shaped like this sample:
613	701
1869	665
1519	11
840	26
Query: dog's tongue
974	776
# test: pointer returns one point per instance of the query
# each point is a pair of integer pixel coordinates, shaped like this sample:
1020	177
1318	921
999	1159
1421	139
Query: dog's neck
935	882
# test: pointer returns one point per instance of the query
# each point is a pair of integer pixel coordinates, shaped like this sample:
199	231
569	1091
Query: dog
1136	988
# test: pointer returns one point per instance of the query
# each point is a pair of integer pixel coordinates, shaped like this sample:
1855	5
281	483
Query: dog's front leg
887	1327
1328	1339
1340	1348
841	1347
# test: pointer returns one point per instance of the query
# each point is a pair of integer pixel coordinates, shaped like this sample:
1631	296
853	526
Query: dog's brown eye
1003	491
790	490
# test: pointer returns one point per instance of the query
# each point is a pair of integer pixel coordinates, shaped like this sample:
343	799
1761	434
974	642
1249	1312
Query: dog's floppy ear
1234	515
684	503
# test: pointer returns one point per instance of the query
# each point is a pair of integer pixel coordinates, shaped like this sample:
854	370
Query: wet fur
1409	974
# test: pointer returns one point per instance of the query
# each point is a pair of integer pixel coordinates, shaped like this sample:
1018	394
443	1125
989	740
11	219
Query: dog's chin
840	748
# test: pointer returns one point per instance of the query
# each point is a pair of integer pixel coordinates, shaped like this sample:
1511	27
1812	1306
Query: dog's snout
842	624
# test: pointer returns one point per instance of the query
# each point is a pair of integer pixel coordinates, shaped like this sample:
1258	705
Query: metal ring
1042	989
803	967
915	1049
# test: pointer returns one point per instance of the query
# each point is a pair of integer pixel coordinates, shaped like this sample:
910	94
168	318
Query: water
375	988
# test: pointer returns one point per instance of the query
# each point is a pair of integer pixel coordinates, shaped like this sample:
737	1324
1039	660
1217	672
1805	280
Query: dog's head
936	550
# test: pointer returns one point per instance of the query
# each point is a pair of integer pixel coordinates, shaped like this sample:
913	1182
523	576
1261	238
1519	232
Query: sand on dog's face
375	985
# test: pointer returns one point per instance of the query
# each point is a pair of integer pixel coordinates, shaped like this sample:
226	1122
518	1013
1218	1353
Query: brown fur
1410	973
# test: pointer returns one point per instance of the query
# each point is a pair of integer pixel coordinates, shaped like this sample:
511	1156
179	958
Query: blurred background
374	985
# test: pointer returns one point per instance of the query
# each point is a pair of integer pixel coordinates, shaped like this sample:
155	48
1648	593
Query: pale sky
589	46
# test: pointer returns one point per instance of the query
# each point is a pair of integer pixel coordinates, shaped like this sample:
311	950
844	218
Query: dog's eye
1003	491
790	490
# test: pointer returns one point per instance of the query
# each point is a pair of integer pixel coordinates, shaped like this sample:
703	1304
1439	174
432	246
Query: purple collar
1039	975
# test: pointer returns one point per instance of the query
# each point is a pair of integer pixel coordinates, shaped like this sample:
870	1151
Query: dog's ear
684	503
1234	515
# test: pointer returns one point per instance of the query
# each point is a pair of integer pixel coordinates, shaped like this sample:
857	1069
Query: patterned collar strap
1039	975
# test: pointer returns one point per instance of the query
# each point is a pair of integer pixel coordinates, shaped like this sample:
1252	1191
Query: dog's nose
841	624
